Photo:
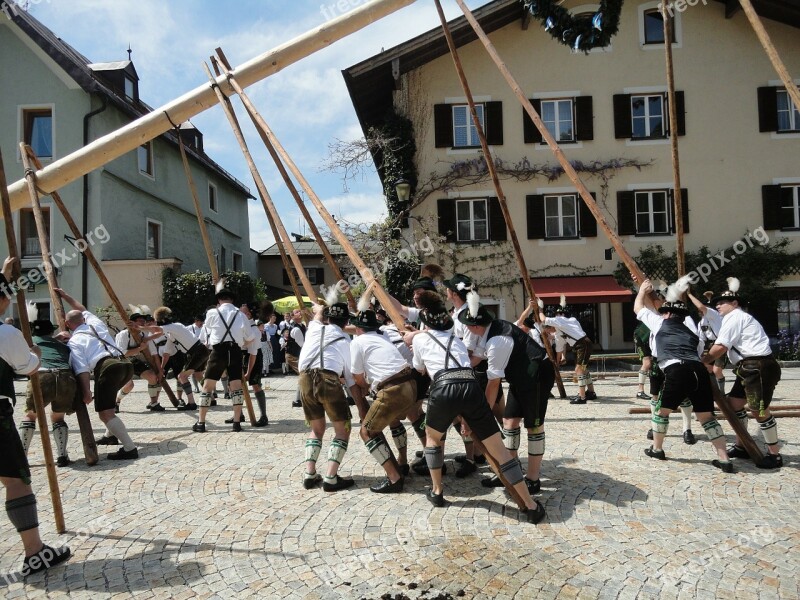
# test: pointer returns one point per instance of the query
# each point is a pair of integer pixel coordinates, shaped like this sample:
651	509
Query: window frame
651	212
150	167
650	11
677	27
795	208
25	127
159	250
560	216
240	256
480	107
794	115
213	198
557	122
472	202
24	235
664	116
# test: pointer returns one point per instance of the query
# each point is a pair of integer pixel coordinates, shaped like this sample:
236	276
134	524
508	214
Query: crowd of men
440	367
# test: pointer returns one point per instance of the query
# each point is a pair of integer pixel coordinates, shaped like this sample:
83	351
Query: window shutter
497	223
588	224
626	213
623	127
680	112
285	277
443	125
584	118
684	209
320	275
535	216
494	123
767	109
447	219
771	205
530	134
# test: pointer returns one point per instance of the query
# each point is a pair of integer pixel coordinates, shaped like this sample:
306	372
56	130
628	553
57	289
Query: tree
190	294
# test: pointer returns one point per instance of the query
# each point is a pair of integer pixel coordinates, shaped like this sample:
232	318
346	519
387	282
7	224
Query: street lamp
403	189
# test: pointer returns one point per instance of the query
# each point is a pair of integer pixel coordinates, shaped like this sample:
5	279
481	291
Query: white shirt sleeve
651	319
16	352
498	351
417	361
356	358
297	336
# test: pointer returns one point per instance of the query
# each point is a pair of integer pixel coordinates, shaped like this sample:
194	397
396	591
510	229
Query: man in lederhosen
15	473
254	361
141	368
570	329
512	354
455	391
709	326
228	333
757	372
378	367
92	350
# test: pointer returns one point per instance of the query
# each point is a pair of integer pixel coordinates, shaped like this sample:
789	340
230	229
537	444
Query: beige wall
270	270
136	281
719	64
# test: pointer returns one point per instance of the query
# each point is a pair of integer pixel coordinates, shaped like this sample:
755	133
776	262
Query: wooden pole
772	52
41	417
627	259
673	138
337	273
501	197
155	123
358	263
89	255
81	412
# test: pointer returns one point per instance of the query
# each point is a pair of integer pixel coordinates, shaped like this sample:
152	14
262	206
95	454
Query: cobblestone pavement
224	515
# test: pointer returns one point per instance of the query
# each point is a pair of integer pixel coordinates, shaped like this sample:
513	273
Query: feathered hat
476	313
731	294
366	318
138	312
334	309
433	312
562	305
459	283
674	303
39	327
221	291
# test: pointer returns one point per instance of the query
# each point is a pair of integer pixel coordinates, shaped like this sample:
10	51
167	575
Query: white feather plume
364	303
132	308
33	312
473	303
673	293
684	283
220	285
540	302
733	284
563	301
145	310
660	285
331	296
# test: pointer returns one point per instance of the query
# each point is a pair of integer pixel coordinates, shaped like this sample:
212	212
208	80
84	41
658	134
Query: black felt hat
729	295
676	308
459	283
424	283
366	320
437	317
42	327
481	318
338	311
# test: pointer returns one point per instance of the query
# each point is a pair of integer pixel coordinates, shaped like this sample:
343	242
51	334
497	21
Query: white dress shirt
14	350
124	342
568	328
335	356
396	338
239	327
297	335
430	357
496	351
713	320
375	357
179	338
743	336
89	343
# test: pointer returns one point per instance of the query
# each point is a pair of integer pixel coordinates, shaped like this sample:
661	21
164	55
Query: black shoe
311	481
657	454
536	514
649	434
237	426
479	459
44	559
63	461
241	420
227	396
341	484
490	482
351	401
116	408
404	470
735	451
591	396
387	487
107	440
262	422
296	404
725	467
688	438
188	407
123	454
419	453
213	401
181	403
578	400
436	499
156	408
420	467
643	396
199	427
770	461
534	487
466	468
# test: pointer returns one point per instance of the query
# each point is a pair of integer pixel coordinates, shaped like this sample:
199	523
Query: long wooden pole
86	250
155	123
25	326
501	197
81	412
772	52
337	273
673	138
627	259
365	272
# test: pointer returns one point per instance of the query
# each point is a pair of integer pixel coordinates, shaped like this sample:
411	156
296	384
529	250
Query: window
558	118
647	116
316	275
654	27
650	212
789	309
237	261
781	206
465	134
145	158
223	258
790	207
28	234
788	114
212	198
130	89
38	131
153	239
652	215
561	216
472	223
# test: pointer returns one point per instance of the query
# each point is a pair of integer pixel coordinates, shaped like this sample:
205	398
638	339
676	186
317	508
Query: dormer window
120	76
130	89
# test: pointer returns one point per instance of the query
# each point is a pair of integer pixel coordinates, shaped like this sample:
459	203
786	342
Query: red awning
581	290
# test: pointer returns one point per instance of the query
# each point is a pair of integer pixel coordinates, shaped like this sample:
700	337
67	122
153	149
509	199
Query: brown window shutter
771	205
680	112
584	118
497	223
447	219
320	275
530	134
767	109
493	112
535	215
443	125
626	213
588	224
684	210
623	127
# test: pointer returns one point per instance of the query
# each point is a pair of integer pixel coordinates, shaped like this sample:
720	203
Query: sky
306	104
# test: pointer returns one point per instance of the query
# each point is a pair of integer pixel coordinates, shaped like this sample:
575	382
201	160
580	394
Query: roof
82	71
305	248
581	290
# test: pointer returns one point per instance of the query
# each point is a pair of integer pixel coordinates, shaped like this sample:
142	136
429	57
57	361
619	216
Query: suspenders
228	326
109	347
448	355
322	347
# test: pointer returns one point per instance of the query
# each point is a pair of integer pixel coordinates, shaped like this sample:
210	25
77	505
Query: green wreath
581	33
